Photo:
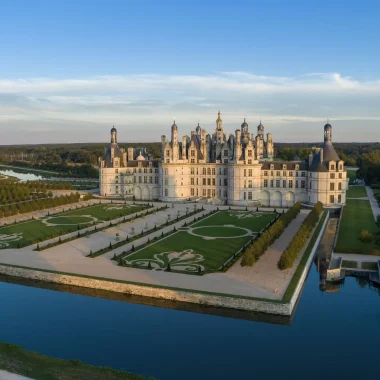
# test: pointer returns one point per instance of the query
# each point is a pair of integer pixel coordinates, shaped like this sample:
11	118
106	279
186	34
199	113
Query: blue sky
71	69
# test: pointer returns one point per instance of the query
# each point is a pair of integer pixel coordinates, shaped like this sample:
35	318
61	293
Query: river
331	335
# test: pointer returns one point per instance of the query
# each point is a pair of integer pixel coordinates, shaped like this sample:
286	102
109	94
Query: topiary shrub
365	236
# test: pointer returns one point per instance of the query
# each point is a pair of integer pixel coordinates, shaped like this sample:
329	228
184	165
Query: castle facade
236	169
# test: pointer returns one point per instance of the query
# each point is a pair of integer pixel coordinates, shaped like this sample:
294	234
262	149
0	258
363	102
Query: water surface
333	334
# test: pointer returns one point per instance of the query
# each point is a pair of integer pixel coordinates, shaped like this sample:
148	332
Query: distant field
357	216
356	192
206	244
39	230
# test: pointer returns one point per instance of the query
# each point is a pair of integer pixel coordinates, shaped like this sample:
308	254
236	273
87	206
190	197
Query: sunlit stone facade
236	169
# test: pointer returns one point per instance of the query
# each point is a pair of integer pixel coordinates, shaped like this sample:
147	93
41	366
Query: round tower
328	132
113	135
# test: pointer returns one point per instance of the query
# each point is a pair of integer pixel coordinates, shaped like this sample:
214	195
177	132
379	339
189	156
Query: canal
333	333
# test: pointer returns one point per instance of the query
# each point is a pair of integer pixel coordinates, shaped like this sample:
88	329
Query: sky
70	70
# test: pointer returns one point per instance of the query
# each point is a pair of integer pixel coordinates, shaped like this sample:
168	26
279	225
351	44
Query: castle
236	169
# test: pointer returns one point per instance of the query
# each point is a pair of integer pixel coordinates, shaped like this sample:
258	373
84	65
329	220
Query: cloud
148	102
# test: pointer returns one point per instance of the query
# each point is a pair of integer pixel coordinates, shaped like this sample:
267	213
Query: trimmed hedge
300	238
259	245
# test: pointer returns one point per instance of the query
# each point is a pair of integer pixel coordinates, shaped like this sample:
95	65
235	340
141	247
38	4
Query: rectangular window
250	153
265	183
192	181
166	192
271	183
213	171
278	173
204	171
339	198
116	170
249	162
226	160
213	193
208	181
226	152
340	167
331	198
297	184
168	152
303	174
332	175
192	153
340	186
155	179
166	182
208	193
249	172
278	183
192	191
265	173
272	173
204	181
284	173
250	183
166	171
332	167
192	161
303	184
284	183
332	187
145	179
245	195
290	183
225	182
192	171
340	175
204	192
245	172
208	171
249	195
213	182
290	174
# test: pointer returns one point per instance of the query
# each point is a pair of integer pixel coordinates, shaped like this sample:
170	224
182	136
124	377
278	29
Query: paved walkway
265	273
373	201
70	257
356	257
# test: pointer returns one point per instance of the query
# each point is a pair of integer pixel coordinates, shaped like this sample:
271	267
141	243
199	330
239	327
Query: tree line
38	204
14	192
258	246
300	238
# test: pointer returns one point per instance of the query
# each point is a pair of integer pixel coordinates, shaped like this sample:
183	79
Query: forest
80	160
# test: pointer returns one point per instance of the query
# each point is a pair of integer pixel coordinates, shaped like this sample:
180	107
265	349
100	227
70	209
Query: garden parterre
204	245
22	234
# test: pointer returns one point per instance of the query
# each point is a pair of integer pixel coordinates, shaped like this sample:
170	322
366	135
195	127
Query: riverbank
19	361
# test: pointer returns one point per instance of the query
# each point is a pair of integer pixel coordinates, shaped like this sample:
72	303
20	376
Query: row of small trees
299	240
39	204
258	246
11	192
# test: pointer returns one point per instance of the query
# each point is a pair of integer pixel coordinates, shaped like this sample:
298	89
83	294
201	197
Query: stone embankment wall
305	271
150	291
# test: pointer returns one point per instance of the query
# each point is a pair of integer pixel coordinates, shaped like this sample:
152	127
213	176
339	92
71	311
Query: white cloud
147	102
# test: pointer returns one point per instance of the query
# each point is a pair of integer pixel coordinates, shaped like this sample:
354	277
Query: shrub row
260	244
142	234
299	240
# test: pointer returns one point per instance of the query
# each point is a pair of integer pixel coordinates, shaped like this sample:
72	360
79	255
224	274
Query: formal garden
34	231
358	230
203	246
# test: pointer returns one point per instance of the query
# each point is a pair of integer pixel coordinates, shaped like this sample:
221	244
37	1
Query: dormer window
271	166
297	167
332	167
284	167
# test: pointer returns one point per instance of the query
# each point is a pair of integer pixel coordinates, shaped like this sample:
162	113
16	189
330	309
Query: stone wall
150	291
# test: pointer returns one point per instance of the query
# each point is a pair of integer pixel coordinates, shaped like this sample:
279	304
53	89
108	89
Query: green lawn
349	264
187	252
357	216
36	230
356	192
351	174
15	359
369	266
